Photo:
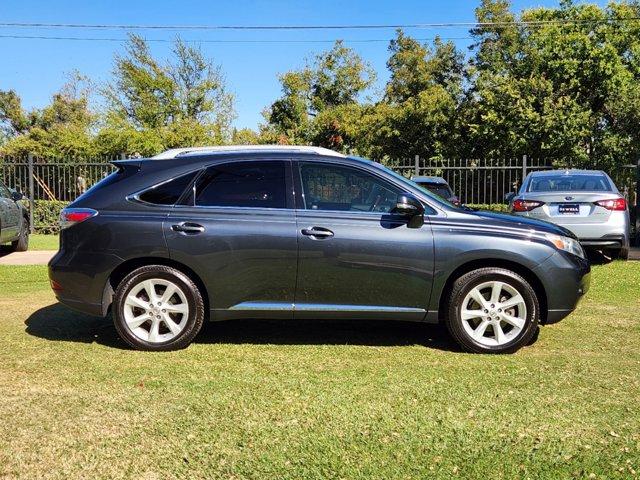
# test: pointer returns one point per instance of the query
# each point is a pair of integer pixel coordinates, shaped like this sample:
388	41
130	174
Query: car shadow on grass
59	323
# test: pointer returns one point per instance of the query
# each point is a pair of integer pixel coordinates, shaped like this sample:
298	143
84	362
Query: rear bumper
606	241
81	278
566	279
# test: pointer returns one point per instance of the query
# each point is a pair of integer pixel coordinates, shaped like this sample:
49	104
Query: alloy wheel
493	313
156	310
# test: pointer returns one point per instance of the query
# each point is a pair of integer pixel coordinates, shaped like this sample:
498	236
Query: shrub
493	207
46	214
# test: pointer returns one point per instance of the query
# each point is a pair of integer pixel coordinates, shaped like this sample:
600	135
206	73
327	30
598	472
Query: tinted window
334	187
168	193
243	184
569	183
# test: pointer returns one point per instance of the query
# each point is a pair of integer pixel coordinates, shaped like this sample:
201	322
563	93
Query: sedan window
341	188
569	183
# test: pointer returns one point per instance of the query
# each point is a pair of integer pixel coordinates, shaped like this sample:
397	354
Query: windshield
569	183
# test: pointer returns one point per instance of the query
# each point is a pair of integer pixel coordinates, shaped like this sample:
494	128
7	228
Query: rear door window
245	184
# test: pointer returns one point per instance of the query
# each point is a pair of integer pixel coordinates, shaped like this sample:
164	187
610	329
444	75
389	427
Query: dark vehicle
14	220
439	186
304	233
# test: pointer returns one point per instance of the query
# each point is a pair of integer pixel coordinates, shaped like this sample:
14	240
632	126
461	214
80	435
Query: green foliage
318	100
46	215
61	129
492	207
154	106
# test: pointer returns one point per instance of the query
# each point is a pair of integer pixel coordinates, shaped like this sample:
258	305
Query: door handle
318	232
188	228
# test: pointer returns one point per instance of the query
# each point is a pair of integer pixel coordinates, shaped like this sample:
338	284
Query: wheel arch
128	266
522	270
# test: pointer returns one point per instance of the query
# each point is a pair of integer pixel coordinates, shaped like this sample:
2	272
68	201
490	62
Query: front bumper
566	279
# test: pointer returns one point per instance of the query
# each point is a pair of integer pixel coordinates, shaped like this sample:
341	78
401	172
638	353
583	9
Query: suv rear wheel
492	310
158	308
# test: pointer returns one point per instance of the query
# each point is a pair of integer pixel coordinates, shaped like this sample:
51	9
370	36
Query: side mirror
16	196
408	205
509	196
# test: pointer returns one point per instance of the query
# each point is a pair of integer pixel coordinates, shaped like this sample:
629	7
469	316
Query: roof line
189	151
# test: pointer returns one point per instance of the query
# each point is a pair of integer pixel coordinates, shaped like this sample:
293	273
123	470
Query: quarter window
258	184
340	188
168	193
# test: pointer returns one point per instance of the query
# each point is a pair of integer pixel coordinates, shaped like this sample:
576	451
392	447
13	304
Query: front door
355	256
237	231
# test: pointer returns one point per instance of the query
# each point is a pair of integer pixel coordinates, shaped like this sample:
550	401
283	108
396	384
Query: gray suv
304	233
586	202
14	220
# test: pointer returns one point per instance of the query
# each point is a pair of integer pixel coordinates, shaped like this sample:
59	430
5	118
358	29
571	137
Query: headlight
567	244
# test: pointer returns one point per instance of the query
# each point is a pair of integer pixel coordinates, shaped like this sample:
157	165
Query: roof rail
179	152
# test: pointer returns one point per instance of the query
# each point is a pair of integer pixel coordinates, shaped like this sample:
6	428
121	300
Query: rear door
357	259
236	229
9	215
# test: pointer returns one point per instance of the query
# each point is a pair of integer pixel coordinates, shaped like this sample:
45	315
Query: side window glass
335	187
168	193
257	184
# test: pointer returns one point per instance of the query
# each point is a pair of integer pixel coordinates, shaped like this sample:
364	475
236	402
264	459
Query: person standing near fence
81	183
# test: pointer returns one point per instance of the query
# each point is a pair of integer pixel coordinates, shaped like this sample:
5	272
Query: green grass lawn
39	241
318	399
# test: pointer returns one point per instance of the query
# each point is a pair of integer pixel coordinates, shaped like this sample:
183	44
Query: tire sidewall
191	292
456	327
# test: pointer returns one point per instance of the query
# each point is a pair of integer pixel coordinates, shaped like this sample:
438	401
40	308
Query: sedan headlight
567	244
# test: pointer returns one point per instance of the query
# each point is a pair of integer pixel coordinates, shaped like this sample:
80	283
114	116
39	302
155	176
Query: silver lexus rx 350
586	202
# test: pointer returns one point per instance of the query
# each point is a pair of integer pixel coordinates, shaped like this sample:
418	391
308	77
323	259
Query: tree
61	129
152	106
316	98
418	113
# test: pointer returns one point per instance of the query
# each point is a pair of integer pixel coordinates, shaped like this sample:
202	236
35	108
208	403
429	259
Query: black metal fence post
32	204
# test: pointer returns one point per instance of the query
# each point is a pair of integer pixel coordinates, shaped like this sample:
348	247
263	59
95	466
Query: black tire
618	253
22	244
194	320
463	285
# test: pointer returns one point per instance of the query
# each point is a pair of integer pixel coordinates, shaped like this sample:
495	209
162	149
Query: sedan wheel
492	310
158	308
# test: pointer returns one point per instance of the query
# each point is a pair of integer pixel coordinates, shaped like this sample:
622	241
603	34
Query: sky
251	60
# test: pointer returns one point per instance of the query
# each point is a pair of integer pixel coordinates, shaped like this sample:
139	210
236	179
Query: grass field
318	399
39	241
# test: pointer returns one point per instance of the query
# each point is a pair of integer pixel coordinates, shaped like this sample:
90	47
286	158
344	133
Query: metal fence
478	181
54	179
474	181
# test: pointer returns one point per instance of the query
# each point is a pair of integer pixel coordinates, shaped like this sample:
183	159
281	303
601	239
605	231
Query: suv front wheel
158	308
492	310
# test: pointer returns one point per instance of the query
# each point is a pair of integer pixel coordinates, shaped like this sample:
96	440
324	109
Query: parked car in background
304	233
586	202
14	220
437	185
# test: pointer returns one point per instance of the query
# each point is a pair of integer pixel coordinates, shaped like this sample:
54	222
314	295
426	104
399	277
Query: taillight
613	204
73	216
525	205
